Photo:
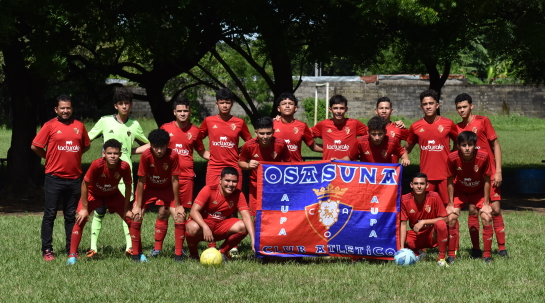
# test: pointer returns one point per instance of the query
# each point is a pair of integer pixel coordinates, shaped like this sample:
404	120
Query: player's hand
405	162
418	226
83	214
487	210
207	234
253	245
497	179
399	124
136	214
452	210
253	164
180	211
278	118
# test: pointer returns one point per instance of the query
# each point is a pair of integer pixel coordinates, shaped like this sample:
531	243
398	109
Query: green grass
5	139
26	277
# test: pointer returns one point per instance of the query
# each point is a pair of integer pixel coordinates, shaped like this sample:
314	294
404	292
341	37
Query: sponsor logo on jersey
476	168
233	126
412	211
427	208
223	142
338	146
76	131
467	182
291	147
69	147
106	187
180	150
440	128
474	130
432	146
165	166
158	180
111	131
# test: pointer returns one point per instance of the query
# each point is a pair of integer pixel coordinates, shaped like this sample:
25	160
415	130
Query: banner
328	208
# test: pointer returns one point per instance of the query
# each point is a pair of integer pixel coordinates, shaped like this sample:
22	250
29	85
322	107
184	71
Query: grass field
115	278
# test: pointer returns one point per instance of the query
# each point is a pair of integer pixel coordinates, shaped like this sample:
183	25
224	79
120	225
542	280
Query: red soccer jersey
217	206
384	153
223	140
414	212
103	181
183	142
397	133
293	134
469	176
276	152
434	142
339	140
64	144
157	171
482	127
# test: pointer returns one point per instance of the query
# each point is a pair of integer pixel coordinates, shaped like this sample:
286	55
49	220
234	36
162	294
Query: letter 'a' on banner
328	208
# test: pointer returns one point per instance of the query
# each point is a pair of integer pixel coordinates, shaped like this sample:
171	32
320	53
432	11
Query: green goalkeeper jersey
110	128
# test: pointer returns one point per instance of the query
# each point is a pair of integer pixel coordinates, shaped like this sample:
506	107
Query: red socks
232	241
488	234
441	231
474	227
453	240
499	230
161	227
76	237
193	243
211	244
179	234
134	230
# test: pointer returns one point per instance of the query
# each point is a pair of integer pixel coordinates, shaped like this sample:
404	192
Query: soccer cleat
225	258
233	253
92	253
128	252
194	258
140	258
476	253
421	255
487	260
450	260
503	253
185	252
155	253
48	255
178	258
442	263
143	258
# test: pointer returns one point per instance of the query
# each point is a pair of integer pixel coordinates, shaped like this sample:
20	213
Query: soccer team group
447	182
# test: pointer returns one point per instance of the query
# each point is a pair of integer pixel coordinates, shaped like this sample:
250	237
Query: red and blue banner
328	208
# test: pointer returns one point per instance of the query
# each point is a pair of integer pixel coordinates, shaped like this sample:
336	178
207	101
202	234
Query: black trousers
56	190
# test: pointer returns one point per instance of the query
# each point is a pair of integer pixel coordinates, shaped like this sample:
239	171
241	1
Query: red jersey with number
103	181
217	206
157	171
276	152
482	127
293	134
64	144
469	175
223	137
433	139
339	140
383	153
431	208
183	142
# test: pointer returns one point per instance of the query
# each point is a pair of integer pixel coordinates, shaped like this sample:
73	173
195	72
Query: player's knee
452	219
192	228
441	224
163	213
101	211
486	219
239	227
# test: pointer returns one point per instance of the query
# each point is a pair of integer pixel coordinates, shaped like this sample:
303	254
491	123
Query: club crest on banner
328	216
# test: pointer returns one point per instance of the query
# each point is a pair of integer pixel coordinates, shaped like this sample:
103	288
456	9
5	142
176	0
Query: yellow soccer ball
211	257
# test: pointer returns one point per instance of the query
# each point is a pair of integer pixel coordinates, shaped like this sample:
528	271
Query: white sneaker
442	263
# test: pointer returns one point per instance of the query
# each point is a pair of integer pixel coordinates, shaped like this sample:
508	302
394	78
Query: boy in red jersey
338	133
210	217
427	218
158	183
264	147
184	138
487	141
469	172
291	130
395	129
377	147
61	142
100	188
224	131
433	134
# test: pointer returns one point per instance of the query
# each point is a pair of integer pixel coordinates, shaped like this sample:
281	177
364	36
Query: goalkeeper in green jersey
125	130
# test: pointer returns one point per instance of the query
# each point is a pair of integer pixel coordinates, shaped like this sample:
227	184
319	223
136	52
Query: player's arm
247	219
96	131
38	150
422	223
408	147
400	124
128	191
450	190
497	155
176	191
402	234
140	149
405	159
204	154
84	211
346	158
253	164
316	147
85	149
486	205
137	207
196	216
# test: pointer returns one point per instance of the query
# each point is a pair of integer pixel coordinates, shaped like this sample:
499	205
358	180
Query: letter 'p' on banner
328	208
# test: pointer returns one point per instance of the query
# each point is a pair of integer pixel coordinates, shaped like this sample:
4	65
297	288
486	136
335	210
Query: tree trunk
25	96
283	77
437	81
161	110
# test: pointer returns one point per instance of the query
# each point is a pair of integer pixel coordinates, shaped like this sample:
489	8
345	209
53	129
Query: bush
308	105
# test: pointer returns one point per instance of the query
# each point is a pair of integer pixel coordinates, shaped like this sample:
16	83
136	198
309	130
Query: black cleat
476	253
136	258
450	260
503	253
487	260
178	258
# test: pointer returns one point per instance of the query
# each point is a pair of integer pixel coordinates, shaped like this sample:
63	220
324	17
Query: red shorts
157	196
220	227
495	192
461	198
440	187
213	177
186	192
423	239
115	203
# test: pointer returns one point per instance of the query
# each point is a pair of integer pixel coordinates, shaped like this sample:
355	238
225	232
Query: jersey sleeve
139	135
403	134
203	197
245	154
489	129
142	165
85	136
245	132
358	150
453	133
42	137
403	216
307	136
412	138
361	129
127	174
451	168
204	128
198	145
441	211
96	130
90	172
396	148
488	166
317	130
241	203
